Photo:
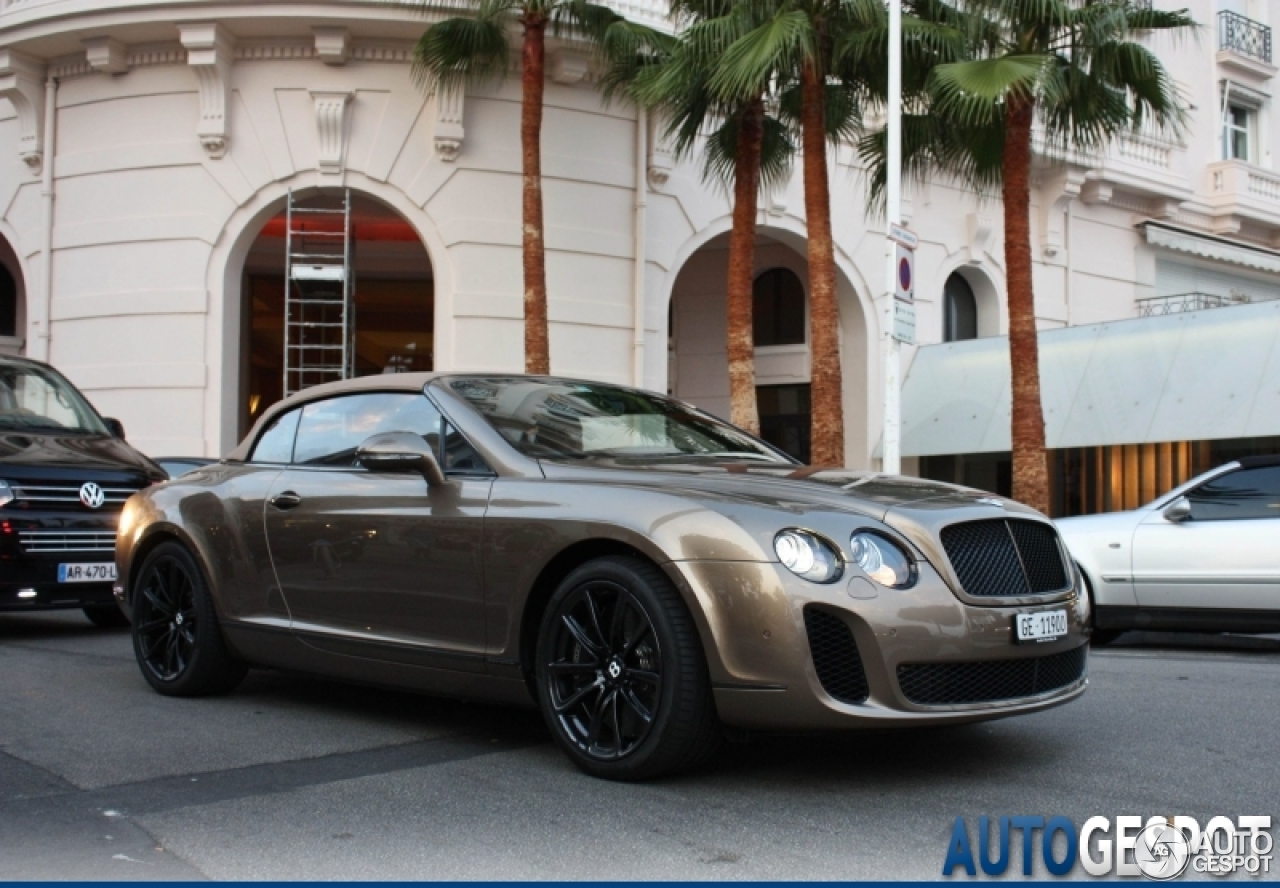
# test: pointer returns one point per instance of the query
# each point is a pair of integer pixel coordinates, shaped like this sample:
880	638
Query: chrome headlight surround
881	559
808	556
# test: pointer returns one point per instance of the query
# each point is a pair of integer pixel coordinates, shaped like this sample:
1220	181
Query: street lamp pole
891	444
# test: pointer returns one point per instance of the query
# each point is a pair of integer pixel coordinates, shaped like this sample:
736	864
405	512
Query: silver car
1204	557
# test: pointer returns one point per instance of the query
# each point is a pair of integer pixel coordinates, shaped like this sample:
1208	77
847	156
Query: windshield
36	400
555	418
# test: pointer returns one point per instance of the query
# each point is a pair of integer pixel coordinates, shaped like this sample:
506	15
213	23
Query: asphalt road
297	778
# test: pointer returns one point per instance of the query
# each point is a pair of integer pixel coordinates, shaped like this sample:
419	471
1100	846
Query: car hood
867	493
1106	522
25	455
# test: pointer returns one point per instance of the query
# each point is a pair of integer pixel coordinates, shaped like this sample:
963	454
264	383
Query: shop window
8	303
778	309
785	418
959	310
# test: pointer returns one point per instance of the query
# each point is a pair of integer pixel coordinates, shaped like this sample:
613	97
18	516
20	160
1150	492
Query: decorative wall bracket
332	44
662	155
210	52
22	83
331	129
1056	192
980	228
568	66
106	55
449	133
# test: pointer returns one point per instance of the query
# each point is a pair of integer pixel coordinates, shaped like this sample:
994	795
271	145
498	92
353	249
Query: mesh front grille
835	656
1005	558
939	684
1038	545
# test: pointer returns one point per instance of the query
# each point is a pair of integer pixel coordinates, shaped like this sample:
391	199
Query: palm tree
745	149
1074	67
793	48
474	48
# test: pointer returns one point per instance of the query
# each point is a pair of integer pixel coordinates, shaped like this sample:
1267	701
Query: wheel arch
155	536
569	559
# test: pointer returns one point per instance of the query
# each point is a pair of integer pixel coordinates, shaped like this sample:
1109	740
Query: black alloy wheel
622	678
605	675
176	637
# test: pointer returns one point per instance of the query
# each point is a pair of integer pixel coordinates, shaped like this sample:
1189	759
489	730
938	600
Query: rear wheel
106	616
622	679
176	637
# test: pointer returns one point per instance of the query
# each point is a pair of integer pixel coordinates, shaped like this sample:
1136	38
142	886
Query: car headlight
808	556
6	493
881	560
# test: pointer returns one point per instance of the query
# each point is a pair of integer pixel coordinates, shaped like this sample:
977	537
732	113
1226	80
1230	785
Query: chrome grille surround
50	542
48	495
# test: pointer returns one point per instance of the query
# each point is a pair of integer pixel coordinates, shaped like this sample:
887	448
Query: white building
147	150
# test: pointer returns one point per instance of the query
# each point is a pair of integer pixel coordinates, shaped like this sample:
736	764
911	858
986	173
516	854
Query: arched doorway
698	363
13	319
392	287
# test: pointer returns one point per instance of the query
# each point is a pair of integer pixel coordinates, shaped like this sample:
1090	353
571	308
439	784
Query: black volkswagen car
65	473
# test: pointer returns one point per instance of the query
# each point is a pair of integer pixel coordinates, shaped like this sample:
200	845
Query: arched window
778	309
8	303
959	310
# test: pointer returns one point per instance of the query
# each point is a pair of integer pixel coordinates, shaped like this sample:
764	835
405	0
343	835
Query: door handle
286	500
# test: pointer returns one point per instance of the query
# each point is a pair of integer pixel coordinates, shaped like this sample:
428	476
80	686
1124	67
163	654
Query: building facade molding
331	129
22	83
450	103
210	53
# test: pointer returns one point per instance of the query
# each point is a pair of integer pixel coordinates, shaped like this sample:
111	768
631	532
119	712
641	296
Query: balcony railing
1154	306
1244	36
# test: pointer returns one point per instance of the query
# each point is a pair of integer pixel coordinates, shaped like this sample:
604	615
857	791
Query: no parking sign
904	301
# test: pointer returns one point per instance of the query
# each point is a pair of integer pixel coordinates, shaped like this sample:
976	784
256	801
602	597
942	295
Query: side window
1243	494
459	456
276	443
331	430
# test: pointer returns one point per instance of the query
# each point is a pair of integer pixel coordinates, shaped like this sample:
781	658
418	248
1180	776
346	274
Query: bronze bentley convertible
641	570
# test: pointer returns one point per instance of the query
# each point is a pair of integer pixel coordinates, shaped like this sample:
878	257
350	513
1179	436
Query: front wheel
622	679
176	637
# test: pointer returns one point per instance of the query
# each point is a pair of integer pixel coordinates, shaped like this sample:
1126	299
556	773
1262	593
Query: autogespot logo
1161	849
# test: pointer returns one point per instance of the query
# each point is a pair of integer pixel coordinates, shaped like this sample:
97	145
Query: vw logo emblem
92	496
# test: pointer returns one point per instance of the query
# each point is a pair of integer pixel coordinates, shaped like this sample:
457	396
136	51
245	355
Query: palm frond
458	50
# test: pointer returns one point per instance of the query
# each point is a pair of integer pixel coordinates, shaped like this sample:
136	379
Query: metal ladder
319	289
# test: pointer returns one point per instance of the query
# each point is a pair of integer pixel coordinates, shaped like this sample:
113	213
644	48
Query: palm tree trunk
827	438
742	251
1030	468
537	349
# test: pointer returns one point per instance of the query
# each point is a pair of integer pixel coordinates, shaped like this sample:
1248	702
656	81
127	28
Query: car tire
176	637
1099	637
106	616
600	673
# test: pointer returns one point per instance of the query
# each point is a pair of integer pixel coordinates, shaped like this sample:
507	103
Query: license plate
87	573
1044	626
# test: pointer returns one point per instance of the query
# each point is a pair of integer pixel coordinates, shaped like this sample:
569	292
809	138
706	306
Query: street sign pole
891	450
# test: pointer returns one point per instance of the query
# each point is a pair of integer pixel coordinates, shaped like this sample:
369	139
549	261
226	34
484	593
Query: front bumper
763	671
29	568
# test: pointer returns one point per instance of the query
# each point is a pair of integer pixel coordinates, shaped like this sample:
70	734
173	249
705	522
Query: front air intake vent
1006	558
986	681
835	656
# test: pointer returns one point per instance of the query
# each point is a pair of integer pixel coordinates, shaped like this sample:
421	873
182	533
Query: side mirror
1177	511
115	427
400	452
